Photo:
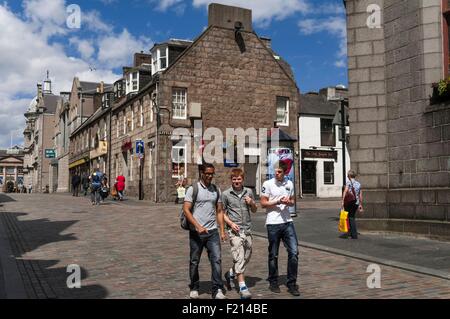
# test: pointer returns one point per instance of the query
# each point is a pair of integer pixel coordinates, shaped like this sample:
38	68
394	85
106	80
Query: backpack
183	220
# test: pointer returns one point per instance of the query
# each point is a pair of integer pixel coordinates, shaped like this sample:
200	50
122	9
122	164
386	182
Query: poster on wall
286	156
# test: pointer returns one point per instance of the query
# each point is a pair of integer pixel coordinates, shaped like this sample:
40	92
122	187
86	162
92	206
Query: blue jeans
352	209
95	194
286	233
212	243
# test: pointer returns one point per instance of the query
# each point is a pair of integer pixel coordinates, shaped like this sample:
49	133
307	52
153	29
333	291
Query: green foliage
443	86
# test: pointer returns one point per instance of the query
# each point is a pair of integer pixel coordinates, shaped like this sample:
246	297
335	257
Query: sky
41	35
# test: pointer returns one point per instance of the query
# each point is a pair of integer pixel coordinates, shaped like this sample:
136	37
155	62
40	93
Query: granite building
400	125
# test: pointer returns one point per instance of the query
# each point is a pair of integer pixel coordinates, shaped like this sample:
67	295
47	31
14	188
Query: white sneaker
193	294
245	293
220	295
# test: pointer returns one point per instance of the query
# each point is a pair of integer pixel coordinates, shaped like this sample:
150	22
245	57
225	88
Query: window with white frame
179	159
282	111
132	82
105	135
141	114
117	125
150	163
124	122
132	118
160	59
179	103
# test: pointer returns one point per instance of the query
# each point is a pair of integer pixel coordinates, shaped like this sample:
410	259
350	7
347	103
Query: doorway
309	177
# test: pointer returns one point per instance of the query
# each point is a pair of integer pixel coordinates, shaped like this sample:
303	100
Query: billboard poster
285	155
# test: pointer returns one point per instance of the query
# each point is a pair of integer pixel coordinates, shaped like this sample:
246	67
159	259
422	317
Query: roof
91	87
51	103
315	104
282	135
92	119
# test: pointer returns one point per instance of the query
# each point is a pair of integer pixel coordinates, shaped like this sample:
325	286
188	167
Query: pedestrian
277	196
85	183
181	187
75	184
204	212
104	189
96	182
30	188
352	206
238	202
120	186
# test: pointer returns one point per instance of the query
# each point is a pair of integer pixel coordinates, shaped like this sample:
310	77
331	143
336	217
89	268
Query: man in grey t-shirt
204	213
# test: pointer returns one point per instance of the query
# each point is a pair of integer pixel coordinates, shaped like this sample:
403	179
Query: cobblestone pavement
134	251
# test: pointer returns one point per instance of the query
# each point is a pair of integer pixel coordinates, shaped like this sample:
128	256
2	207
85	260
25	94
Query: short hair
280	165
351	173
205	166
236	172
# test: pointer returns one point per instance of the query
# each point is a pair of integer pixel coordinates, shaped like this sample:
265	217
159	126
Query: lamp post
342	121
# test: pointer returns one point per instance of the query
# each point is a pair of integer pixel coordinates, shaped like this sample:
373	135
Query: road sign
50	153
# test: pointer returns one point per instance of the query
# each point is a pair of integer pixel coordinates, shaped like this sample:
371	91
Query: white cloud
85	47
26	55
264	11
163	5
117	49
335	26
46	16
93	22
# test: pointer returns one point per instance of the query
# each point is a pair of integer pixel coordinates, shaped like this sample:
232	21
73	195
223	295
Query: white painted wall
309	135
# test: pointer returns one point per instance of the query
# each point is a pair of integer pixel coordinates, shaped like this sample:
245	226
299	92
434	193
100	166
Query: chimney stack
227	16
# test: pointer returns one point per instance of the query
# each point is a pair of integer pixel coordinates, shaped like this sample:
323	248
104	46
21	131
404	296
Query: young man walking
238	202
96	183
204	211
277	195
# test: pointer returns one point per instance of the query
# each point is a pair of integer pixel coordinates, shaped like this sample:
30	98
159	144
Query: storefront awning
77	163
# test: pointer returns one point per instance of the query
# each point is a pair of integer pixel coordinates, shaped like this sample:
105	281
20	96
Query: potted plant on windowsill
441	91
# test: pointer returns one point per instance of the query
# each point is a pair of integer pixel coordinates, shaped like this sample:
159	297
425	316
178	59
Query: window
132	84
163	58
150	163
446	35
179	157
117	125
282	111
327	137
328	172
106	100
132	118
179	105
141	114
124	123
118	89
131	165
159	59
105	135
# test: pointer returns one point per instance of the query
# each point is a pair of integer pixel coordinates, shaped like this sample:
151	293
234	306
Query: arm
252	203
187	210
221	220
265	203
343	196
288	201
360	201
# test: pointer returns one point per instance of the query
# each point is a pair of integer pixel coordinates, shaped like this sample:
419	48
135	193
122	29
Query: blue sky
309	34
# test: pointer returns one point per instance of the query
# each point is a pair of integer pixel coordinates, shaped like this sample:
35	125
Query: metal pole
141	197
343	139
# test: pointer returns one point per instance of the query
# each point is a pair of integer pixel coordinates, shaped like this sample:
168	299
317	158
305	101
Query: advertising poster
285	155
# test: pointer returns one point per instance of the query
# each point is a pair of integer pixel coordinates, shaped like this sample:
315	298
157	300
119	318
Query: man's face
237	182
279	174
208	175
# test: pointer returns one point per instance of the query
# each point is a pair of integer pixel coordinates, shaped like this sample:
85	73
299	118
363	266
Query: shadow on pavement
5	198
41	279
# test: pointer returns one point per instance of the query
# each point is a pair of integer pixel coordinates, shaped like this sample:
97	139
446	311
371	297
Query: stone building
38	134
11	167
229	77
400	132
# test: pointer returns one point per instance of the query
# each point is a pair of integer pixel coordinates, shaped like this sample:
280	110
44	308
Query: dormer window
118	89
160	59
106	100
132	84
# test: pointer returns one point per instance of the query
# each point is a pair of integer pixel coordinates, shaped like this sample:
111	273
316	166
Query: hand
235	228
201	230
285	200
223	236
361	210
248	200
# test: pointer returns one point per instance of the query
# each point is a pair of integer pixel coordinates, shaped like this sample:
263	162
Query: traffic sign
140	148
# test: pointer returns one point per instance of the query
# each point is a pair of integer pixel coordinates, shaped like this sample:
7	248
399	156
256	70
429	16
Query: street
135	249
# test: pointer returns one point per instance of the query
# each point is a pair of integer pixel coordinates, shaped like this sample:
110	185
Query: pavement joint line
381	261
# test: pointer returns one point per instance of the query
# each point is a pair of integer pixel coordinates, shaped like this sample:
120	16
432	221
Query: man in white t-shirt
277	195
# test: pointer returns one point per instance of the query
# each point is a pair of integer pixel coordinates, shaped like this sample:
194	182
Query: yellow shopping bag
343	222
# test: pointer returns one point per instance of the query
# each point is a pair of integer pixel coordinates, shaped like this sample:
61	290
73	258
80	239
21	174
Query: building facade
228	77
321	161
39	149
11	167
399	135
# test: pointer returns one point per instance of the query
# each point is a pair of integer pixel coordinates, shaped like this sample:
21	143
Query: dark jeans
286	233
211	242
75	189
352	209
95	194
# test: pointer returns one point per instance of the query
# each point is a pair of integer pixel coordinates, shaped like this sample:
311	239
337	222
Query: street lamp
341	120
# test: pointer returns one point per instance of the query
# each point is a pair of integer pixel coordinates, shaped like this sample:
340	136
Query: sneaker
294	291
245	293
219	295
193	294
228	279
274	288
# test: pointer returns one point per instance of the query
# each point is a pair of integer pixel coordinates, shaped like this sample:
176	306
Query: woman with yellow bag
351	203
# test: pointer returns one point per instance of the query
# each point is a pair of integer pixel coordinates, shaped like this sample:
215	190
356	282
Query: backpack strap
194	193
